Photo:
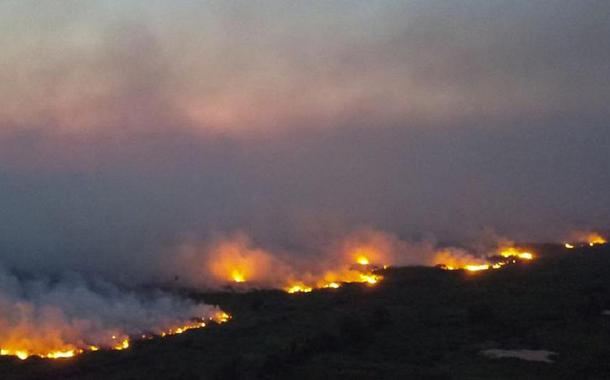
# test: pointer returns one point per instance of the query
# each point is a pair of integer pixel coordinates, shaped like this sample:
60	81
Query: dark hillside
417	323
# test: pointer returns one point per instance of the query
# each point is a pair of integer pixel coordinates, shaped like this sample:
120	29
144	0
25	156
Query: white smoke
41	315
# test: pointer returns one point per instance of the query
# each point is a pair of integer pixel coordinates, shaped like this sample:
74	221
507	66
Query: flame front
454	259
235	260
476	268
513	252
585	238
595	239
299	288
358	271
26	348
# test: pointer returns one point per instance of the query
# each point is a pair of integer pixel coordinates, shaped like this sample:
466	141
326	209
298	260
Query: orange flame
514	252
362	260
590	238
31	347
451	259
595	239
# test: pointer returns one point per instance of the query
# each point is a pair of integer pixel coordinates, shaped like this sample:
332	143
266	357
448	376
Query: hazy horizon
130	127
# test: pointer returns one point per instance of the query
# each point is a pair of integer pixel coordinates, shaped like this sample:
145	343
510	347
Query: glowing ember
568	246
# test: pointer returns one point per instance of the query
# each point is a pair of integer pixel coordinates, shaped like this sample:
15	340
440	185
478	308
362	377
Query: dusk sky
129	126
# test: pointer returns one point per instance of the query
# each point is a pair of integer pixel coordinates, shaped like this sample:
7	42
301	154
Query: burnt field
417	323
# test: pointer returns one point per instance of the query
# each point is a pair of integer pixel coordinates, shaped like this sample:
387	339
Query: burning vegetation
579	239
61	318
358	271
458	259
236	262
27	346
56	323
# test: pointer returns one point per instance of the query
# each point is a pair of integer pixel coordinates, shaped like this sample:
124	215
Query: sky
129	127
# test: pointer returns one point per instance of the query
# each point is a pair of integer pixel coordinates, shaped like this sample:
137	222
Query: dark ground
420	323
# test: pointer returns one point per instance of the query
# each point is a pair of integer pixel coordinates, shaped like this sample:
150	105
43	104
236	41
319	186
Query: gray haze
129	127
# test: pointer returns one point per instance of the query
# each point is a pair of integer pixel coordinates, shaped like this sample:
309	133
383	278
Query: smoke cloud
44	316
131	130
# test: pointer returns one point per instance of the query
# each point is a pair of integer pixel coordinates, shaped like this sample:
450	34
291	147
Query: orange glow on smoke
370	279
456	259
124	344
237	276
334	280
362	260
476	268
595	239
26	347
299	288
585	238
513	252
234	261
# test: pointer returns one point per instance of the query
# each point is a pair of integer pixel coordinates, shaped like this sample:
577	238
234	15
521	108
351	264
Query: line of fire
360	269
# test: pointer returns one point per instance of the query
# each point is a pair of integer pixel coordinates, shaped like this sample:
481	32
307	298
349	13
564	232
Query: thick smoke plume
124	129
136	137
57	317
236	260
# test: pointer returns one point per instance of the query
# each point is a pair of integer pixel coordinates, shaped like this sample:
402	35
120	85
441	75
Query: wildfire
351	276
369	278
513	252
595	239
457	259
221	317
123	342
24	354
359	271
237	276
451	259
476	268
299	289
362	260
585	238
